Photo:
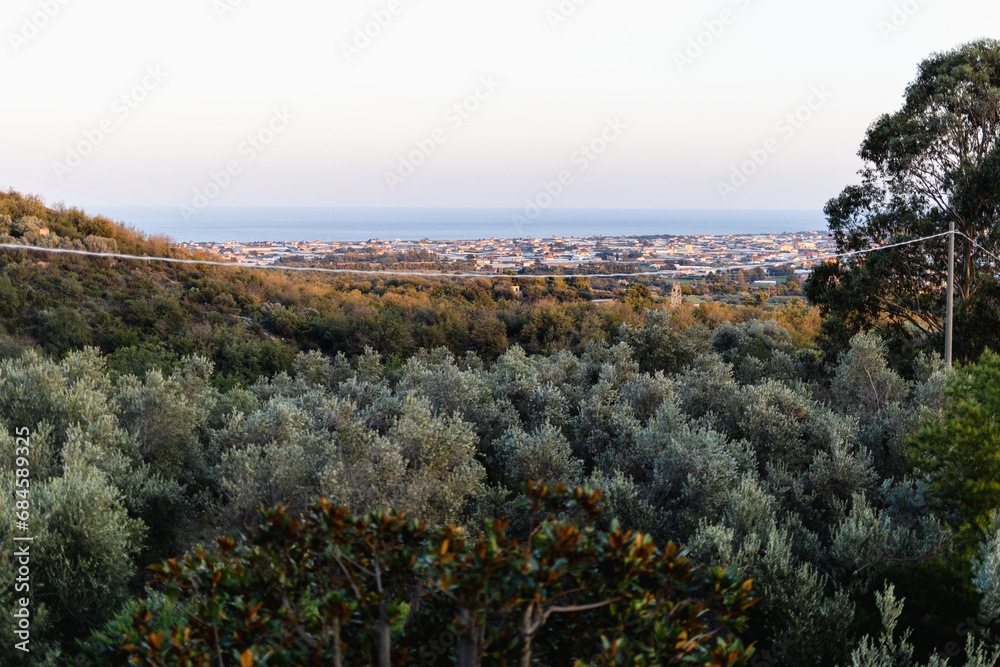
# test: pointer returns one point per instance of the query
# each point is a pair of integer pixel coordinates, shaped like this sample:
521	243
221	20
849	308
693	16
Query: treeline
25	219
370	255
739	282
369	260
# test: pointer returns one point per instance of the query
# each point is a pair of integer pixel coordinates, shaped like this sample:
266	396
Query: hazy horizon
450	223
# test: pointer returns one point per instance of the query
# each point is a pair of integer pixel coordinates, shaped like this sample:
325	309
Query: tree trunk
526	635
337	661
384	636
469	642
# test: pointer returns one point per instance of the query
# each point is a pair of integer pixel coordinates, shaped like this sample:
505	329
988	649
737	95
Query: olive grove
726	441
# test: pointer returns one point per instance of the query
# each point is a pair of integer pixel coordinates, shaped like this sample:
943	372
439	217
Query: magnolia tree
333	588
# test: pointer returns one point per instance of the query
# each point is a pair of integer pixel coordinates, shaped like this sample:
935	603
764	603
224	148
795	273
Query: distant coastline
360	224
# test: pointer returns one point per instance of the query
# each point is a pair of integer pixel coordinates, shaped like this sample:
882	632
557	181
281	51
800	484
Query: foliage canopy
933	163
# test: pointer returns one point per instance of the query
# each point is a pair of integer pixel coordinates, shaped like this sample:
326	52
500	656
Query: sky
520	104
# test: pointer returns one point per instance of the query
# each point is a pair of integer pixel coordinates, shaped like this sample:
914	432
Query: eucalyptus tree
934	162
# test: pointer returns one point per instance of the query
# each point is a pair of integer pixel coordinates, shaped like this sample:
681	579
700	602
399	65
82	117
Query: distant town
690	255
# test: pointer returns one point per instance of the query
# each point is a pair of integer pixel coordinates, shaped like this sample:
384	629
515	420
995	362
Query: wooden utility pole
948	335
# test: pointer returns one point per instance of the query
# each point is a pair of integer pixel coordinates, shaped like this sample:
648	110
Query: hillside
252	322
155	408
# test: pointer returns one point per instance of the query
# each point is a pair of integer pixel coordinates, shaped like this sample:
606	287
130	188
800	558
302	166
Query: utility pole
948	335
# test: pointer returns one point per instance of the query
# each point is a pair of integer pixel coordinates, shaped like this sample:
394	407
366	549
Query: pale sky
332	114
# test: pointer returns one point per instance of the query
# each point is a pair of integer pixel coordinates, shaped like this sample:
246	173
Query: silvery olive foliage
542	454
657	346
986	568
890	650
85	541
363	444
723	441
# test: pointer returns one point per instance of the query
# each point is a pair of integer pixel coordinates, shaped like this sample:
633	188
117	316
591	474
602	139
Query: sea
439	224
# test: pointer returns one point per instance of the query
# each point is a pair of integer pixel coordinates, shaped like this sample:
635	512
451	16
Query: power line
975	243
855	253
435	274
887	247
431	274
316	269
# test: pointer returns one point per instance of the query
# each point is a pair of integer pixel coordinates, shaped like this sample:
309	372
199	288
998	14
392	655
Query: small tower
676	297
